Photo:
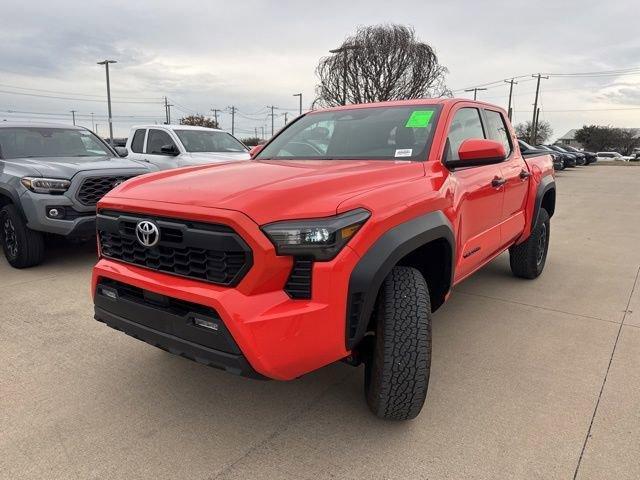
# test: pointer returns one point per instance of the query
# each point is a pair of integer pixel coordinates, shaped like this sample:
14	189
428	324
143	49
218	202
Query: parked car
528	150
568	159
590	157
579	157
610	156
51	177
308	255
171	146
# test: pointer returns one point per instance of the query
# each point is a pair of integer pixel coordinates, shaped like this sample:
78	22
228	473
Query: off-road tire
527	259
397	373
22	246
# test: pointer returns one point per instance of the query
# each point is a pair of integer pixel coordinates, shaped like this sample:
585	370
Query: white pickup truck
172	146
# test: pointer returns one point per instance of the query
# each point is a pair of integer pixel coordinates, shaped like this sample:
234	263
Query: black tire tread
522	258
399	370
30	242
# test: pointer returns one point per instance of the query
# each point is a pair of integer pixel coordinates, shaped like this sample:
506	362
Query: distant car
590	157
529	150
568	159
610	156
579	157
172	146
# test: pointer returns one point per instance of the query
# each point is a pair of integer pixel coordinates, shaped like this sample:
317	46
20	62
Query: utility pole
285	117
167	111
93	124
255	132
233	119
73	115
509	109
534	124
535	132
106	67
96	131
345	63
272	118
215	116
475	92
299	95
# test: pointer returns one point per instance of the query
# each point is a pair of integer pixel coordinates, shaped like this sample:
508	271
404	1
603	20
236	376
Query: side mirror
169	150
255	150
121	151
478	151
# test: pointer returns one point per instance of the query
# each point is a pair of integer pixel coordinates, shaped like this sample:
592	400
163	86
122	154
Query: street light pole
106	66
299	95
344	49
73	115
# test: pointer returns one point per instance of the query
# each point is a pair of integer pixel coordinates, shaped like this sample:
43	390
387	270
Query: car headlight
320	238
46	185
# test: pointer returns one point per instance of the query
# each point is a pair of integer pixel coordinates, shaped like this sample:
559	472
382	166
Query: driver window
156	140
466	124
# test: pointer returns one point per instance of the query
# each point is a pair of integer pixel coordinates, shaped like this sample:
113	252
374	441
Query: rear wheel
528	259
22	246
397	373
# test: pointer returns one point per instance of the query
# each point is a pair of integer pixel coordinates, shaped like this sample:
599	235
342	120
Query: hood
268	191
67	167
204	158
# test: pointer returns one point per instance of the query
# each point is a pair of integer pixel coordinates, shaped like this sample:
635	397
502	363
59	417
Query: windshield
25	142
376	133
209	141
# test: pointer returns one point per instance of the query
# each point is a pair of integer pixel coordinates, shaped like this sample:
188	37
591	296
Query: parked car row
564	156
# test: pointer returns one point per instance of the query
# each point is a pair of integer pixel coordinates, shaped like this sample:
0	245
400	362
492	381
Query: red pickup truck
336	241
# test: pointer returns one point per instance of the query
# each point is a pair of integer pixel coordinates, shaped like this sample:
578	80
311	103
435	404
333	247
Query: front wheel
528	259
22	246
397	374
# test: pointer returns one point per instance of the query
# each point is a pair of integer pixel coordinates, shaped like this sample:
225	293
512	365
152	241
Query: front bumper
280	338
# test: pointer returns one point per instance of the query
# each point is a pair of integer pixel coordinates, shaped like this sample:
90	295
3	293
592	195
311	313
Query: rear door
479	197
136	144
516	174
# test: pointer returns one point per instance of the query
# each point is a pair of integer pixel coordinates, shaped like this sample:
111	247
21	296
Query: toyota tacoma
338	240
51	178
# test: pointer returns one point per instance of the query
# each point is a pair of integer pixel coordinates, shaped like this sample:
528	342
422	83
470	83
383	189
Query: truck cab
173	146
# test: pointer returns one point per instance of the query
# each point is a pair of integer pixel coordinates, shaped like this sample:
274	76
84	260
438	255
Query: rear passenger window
466	124
497	130
138	141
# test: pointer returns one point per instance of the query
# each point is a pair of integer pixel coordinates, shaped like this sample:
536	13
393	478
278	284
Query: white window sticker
404	152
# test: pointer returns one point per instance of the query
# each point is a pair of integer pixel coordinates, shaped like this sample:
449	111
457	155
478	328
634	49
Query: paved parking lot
529	379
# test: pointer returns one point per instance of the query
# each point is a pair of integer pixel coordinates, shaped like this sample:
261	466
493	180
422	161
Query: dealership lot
518	368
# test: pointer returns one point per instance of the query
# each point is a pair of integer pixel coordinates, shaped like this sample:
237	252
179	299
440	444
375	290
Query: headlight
46	185
320	238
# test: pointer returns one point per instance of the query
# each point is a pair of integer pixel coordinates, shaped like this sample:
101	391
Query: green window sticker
419	119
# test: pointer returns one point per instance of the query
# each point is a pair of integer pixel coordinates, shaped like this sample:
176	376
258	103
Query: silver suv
51	177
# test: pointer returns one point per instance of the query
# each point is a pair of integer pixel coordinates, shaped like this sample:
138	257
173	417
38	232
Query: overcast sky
252	53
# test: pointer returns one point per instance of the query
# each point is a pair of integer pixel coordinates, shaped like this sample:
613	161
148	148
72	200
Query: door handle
524	175
497	182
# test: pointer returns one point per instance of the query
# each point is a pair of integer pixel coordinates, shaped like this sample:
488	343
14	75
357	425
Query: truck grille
201	251
93	189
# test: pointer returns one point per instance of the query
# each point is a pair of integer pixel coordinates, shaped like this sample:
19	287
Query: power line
71	98
72	93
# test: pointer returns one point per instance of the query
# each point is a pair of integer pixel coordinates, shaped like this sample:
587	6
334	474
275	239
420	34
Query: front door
479	198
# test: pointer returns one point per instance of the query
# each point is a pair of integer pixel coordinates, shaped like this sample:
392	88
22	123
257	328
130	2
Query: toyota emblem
147	233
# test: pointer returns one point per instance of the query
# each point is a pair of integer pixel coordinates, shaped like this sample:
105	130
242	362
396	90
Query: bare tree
543	132
198	121
379	63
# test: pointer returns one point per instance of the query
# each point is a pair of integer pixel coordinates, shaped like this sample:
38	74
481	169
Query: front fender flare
369	273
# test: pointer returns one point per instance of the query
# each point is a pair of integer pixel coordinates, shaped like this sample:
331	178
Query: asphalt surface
530	379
